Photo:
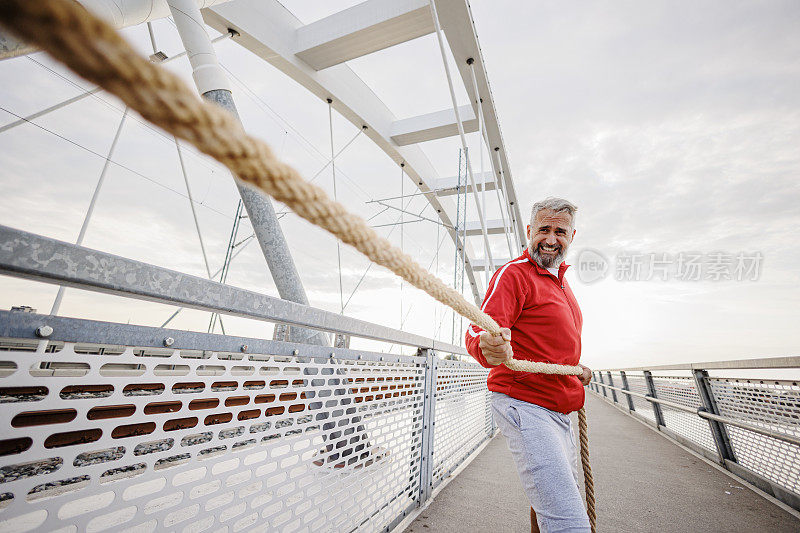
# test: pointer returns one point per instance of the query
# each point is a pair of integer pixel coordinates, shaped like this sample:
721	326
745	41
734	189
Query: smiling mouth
548	249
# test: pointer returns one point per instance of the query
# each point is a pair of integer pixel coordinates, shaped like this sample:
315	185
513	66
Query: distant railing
749	426
111	426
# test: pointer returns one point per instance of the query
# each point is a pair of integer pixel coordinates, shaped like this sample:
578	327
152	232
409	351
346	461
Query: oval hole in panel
144	488
254	385
203	403
157	408
121	370
143	389
26	522
22	394
180	423
14	446
133	430
86	505
103	412
72	438
79	392
171	370
99	456
210	370
188	387
57	488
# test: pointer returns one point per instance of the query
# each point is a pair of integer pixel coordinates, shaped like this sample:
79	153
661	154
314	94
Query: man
541	321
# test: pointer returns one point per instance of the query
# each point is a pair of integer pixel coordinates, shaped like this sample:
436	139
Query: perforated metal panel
637	383
773	405
463	417
682	390
118	437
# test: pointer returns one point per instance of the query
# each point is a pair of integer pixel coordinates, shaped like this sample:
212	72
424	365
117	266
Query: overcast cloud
675	127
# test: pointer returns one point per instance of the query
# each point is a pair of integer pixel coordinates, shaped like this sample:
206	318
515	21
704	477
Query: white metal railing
108	436
116	427
749	426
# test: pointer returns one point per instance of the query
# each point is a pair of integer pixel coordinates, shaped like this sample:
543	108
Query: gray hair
551	203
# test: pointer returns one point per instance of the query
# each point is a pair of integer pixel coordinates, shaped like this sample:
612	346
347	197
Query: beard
546	260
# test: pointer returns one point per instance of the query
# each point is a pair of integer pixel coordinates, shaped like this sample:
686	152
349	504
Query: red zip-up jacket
545	323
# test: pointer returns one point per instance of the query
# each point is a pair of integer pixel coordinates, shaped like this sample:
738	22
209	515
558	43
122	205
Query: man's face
549	237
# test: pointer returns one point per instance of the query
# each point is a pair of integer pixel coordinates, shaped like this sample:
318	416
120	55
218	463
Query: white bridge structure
112	426
117	427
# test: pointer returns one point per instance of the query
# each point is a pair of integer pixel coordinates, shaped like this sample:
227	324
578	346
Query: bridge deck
644	483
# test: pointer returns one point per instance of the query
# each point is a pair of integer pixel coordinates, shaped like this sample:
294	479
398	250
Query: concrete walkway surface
643	483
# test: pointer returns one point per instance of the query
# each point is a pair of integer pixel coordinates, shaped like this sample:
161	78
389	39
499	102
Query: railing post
605	393
428	412
611	382
718	430
651	388
626	387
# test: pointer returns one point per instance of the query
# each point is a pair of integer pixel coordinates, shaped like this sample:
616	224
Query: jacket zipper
569	304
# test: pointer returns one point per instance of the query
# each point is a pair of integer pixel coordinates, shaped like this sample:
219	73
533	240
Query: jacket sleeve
503	302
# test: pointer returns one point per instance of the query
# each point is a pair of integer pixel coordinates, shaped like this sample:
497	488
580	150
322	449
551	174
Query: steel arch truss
314	56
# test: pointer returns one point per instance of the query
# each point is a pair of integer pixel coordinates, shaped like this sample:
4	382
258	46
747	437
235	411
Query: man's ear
573	235
528	230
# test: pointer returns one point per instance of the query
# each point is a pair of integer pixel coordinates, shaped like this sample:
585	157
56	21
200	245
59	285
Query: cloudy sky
674	127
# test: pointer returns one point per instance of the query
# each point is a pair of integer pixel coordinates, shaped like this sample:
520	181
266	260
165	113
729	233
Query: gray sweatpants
543	446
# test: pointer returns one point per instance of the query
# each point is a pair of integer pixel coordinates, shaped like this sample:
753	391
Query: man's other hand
587	375
496	348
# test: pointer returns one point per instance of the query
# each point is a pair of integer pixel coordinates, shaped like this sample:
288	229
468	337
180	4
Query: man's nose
551	239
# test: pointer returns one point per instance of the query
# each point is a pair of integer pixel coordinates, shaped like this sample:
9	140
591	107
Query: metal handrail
790	361
31	256
702	413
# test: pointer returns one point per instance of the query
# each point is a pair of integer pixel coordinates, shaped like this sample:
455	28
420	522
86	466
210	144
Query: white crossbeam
479	265
448	186
361	30
431	126
493	227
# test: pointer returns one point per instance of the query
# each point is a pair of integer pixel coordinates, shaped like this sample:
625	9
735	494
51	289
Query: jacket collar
543	271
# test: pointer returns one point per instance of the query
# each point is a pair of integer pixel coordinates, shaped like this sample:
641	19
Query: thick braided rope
94	50
588	481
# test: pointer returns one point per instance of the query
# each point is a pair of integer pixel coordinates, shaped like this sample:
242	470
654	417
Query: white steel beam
479	265
493	227
431	126
449	186
456	20
268	29
118	13
361	30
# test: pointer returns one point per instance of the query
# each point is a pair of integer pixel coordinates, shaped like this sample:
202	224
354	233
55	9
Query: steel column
626	387
212	83
720	434
428	413
600	374
613	392
651	388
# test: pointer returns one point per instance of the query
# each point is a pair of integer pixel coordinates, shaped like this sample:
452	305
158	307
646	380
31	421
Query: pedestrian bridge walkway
643	483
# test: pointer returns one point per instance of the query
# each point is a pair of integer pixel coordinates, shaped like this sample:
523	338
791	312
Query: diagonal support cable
90	210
